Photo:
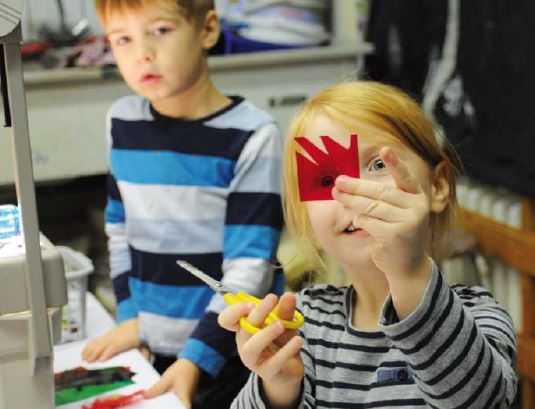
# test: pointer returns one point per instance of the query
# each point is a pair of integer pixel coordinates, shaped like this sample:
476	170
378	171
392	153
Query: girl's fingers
385	212
370	189
252	350
402	175
378	229
273	365
259	314
230	317
375	208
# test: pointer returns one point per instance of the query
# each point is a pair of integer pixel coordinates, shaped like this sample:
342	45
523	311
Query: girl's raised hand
273	353
397	217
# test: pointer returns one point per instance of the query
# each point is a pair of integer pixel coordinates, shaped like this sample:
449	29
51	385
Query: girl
398	336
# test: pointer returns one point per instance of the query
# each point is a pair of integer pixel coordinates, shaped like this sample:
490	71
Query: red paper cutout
114	402
316	180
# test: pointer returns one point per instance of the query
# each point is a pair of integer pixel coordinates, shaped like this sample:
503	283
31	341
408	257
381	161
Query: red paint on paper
114	402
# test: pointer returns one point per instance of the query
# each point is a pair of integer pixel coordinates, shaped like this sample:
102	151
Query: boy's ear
210	30
440	188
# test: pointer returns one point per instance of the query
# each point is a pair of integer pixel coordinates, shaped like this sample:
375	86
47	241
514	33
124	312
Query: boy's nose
146	56
146	53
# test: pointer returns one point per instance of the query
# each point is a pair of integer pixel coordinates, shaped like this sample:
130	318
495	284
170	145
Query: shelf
35	76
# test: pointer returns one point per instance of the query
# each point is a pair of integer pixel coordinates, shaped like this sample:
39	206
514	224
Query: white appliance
32	283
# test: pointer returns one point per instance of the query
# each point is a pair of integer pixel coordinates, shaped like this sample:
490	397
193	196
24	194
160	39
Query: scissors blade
211	282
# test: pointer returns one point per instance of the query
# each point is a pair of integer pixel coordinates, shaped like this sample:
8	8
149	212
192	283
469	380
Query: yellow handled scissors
233	297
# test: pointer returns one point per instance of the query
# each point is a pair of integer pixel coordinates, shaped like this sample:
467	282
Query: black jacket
487	104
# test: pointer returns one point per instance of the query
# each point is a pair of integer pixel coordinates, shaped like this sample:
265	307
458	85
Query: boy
194	176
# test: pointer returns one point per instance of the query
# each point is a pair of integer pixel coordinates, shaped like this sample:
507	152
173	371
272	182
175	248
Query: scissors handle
240	296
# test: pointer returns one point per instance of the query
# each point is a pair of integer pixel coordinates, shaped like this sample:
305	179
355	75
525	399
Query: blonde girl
398	336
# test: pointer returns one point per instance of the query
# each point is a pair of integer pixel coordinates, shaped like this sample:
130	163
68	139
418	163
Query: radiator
502	280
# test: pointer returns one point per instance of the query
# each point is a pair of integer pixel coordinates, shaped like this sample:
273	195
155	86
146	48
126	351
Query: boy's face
160	54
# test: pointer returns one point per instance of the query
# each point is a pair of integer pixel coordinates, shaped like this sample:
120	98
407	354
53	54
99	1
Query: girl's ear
440	188
210	30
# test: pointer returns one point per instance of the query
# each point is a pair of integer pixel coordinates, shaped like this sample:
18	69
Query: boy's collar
235	101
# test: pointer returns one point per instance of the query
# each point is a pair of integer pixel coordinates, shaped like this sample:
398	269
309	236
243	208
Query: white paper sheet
68	356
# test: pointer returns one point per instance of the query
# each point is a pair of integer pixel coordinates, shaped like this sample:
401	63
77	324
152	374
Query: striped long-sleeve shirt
456	350
206	191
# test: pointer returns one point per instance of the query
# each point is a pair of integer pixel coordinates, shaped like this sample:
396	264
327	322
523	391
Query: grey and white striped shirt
456	350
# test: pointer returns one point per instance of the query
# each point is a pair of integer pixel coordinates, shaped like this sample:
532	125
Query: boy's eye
161	31
376	165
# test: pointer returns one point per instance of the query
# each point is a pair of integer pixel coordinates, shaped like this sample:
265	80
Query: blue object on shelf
9	221
235	44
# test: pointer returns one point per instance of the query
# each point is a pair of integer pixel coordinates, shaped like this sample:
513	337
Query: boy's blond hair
386	108
194	10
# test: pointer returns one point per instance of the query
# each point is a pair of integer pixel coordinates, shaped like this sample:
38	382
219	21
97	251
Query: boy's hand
145	352
273	353
181	378
397	217
123	337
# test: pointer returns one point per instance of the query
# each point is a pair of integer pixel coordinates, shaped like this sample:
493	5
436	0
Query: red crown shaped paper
316	179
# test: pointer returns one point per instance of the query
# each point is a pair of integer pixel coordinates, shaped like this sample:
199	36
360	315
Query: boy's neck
198	101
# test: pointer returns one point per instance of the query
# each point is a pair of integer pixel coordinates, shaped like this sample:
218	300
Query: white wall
38	12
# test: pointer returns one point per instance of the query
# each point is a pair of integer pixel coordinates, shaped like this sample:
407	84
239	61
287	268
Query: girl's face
329	219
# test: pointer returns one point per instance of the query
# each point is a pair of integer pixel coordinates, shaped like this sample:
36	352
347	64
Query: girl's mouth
357	231
350	229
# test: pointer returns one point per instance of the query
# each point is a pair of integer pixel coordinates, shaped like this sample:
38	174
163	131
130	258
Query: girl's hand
397	217
273	352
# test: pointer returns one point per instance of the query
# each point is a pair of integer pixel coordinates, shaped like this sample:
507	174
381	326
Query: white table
68	356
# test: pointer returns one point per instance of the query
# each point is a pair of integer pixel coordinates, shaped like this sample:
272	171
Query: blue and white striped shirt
206	191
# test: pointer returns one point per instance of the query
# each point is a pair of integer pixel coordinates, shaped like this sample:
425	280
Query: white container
77	268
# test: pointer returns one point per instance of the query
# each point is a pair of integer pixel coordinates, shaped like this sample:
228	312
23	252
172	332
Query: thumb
162	386
402	175
286	306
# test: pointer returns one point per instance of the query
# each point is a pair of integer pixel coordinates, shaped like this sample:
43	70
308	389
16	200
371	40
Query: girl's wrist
407	290
281	395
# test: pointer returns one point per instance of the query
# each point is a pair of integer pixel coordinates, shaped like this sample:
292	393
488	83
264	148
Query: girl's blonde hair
383	107
194	10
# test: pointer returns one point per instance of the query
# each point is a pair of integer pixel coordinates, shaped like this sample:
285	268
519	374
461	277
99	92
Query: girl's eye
122	40
376	165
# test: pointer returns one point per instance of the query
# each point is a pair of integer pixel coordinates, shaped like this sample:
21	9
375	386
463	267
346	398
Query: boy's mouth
150	78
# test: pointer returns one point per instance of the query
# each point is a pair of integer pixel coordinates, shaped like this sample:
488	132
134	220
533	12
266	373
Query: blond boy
194	175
